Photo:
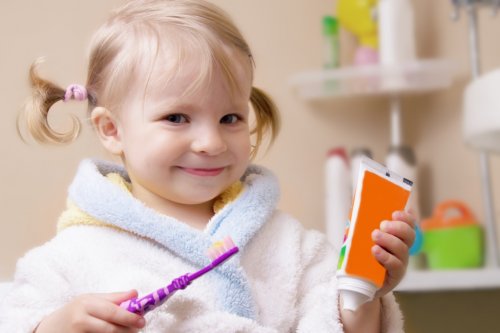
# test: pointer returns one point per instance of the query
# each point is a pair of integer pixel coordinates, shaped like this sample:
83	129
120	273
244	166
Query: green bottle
331	42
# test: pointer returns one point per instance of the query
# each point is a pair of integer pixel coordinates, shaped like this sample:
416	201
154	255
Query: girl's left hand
392	243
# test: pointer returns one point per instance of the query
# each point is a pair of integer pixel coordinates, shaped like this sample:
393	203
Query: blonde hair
133	37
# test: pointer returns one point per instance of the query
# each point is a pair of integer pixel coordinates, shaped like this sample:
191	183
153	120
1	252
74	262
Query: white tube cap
352	300
354	291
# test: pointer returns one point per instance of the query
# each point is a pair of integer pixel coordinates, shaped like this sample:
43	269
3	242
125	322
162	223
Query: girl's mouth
204	172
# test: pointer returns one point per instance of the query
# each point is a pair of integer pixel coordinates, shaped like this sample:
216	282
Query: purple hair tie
76	92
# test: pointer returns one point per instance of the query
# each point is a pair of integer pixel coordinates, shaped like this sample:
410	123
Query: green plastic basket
454	247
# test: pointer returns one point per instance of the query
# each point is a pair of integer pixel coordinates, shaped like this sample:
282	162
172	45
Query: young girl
169	90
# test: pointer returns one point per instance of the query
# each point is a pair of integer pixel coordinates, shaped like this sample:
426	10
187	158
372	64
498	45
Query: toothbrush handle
151	301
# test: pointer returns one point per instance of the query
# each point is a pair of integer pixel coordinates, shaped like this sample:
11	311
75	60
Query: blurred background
288	39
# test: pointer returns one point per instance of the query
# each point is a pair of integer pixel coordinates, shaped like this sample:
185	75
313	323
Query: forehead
190	71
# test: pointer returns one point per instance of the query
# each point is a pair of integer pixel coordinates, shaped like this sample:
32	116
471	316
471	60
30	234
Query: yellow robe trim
230	194
73	215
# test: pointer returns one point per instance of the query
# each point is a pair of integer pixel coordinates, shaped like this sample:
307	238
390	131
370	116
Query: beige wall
285	38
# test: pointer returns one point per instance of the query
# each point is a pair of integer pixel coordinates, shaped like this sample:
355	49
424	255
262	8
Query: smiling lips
203	172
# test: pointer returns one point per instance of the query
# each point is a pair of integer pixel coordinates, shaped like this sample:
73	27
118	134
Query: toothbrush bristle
220	247
228	242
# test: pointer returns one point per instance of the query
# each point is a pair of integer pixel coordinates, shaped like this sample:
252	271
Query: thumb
120	297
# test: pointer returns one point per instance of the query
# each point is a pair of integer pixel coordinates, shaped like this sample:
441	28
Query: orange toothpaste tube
379	192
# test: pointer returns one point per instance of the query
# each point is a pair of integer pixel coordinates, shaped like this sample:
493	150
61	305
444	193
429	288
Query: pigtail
36	110
266	115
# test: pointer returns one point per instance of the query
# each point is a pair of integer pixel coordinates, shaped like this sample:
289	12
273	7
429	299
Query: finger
390	262
391	244
399	229
405	217
93	324
120	297
104	309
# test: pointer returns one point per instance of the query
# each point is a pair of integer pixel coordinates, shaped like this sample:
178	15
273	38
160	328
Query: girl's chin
197	200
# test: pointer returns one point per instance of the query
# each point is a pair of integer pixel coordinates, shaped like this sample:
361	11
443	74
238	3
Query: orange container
379	193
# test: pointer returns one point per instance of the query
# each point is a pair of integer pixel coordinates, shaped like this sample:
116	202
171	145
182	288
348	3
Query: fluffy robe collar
96	195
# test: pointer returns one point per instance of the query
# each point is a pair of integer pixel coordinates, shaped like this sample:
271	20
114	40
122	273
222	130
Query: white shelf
414	77
450	280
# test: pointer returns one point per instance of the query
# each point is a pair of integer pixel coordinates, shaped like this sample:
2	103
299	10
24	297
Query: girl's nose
208	141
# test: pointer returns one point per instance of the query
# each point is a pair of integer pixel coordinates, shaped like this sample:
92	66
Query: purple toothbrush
219	252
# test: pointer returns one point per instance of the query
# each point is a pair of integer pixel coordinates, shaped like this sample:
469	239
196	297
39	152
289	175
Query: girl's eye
176	118
229	119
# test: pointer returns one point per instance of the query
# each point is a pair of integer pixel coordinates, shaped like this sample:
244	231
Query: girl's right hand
97	313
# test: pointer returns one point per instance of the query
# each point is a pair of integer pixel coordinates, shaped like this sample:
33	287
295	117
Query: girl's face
185	150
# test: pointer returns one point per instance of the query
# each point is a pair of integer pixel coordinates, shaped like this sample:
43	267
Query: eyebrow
170	105
164	106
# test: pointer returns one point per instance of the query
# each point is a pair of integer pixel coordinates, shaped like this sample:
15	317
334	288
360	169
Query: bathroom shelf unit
413	77
449	280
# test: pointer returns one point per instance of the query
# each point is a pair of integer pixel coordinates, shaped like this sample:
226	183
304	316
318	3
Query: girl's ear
107	129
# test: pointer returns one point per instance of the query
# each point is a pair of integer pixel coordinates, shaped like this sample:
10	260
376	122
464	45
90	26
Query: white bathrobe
282	280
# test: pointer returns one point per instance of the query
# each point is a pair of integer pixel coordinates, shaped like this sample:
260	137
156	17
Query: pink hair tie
76	92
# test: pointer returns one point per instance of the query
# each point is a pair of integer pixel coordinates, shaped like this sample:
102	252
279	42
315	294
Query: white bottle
401	160
338	195
396	32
